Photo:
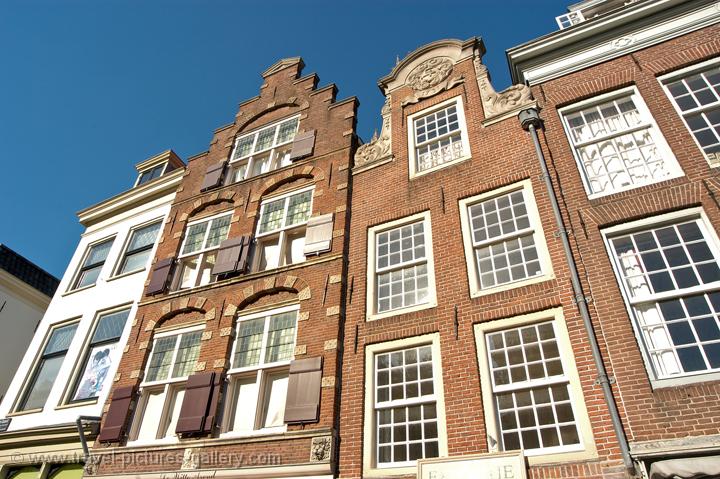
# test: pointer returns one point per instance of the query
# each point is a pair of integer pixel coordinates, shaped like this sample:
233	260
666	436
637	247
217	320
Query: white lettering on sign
486	466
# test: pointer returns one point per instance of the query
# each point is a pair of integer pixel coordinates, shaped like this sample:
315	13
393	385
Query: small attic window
567	20
151	173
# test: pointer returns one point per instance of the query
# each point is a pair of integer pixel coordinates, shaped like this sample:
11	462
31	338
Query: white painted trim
713	242
463	135
671	162
371	315
370	468
538	235
586	449
79	266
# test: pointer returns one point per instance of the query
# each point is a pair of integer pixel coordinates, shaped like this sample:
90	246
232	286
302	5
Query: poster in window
95	374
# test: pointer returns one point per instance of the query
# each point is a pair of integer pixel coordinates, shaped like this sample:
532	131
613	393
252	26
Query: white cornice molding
24	291
598	40
166	184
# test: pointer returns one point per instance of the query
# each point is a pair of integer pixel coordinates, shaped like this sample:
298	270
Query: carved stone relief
320	449
379	147
494	103
430	78
189	461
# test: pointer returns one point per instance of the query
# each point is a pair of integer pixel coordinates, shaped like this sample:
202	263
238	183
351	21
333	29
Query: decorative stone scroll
379	148
495	104
430	78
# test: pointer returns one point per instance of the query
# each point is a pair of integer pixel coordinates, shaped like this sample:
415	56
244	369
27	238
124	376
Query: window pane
281	337
245	400
401	245
60	339
144	237
219	229
295	247
89	276
194	237
271	216
244	145
39	390
174	413
402	288
110	326
265	139
249	343
269	253
187	354
275	393
161	358
98	253
298	208
135	261
150	416
287	131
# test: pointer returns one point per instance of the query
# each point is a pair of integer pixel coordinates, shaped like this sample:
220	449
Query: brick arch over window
203	203
188	304
272	285
310	172
260	114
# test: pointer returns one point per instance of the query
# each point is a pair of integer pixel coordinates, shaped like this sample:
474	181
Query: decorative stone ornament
498	106
379	148
430	78
189	461
320	449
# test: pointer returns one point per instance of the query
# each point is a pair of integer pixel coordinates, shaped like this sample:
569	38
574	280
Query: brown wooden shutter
213	176
212	413
242	265
303	396
117	415
159	276
303	145
228	255
318	234
193	411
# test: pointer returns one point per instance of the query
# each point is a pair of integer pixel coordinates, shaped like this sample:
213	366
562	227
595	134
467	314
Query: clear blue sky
90	88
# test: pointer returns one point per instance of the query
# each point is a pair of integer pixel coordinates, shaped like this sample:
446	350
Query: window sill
478	293
269	431
70	405
596	196
684	380
398	312
417	174
84	288
124	275
579	454
25	413
389	471
154	442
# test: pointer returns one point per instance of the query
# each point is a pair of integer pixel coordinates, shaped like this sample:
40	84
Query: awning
686	468
30	472
68	471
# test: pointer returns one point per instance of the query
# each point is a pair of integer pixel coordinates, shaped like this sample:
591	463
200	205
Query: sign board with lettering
496	465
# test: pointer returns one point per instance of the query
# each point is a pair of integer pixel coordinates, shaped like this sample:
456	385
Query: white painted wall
107	293
21	309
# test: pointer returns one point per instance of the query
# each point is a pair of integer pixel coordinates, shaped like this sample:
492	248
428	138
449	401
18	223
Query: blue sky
90	88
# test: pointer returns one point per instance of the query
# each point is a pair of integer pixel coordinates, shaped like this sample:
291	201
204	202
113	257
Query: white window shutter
318	234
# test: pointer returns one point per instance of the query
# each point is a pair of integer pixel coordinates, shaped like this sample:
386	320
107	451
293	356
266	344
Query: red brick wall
315	285
664	413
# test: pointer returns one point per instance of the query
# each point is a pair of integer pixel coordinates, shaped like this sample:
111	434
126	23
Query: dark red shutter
213	176
193	411
228	255
160	275
303	145
212	413
242	265
303	396
117	415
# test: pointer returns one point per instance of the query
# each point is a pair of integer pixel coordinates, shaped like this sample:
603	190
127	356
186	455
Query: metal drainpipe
81	432
530	121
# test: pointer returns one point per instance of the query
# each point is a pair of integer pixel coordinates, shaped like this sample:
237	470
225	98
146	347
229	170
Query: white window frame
586	449
713	243
464	138
79	268
371	306
128	239
150	168
282	231
262	372
201	253
649	123
275	161
535	229
684	72
571	18
169	387
370	466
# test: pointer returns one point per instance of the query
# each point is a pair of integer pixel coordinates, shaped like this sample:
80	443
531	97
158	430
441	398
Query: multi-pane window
92	264
401	267
504	240
439	137
172	360
265	150
151	173
199	249
99	355
696	94
281	230
405	407
531	390
139	248
569	19
47	368
264	346
670	277
617	145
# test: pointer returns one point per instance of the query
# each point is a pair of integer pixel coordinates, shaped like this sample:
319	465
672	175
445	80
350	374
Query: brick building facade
242	309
